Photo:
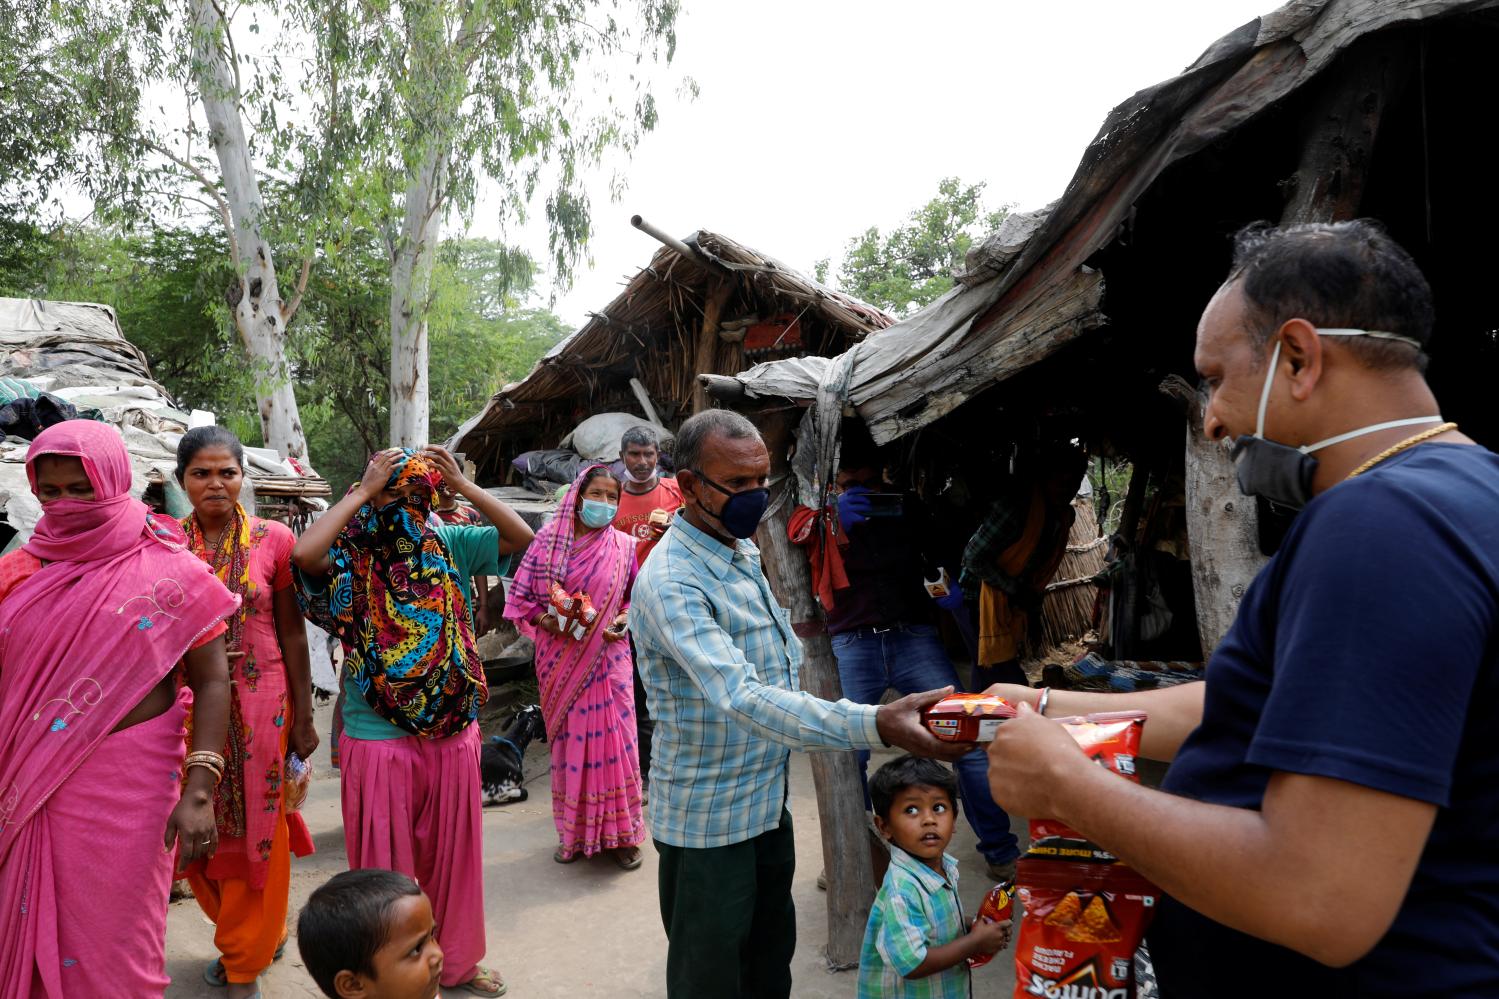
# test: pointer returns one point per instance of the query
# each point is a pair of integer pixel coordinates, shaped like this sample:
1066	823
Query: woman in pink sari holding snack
584	669
96	611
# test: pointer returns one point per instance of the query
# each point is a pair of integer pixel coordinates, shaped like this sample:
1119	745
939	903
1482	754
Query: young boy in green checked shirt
918	942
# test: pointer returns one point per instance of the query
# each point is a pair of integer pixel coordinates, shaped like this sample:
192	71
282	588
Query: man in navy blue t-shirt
1330	822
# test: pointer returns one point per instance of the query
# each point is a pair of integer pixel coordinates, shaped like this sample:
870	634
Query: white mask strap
1376	428
1259	420
1372	334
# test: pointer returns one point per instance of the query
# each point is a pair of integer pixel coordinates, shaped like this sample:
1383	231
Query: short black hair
697	431
347	921
1336	275
199	438
909	771
641	436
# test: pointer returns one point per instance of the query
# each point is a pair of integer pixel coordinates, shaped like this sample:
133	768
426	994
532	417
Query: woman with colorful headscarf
376	572
587	683
244	887
96	612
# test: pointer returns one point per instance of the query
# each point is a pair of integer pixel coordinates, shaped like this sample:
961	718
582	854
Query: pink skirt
596	766
85	891
414	805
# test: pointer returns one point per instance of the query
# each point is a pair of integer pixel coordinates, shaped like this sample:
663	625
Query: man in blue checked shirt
719	662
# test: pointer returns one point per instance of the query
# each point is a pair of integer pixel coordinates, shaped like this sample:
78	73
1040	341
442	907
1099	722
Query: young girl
587	684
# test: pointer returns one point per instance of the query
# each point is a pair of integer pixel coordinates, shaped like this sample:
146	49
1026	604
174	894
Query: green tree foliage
912	265
330	119
167	286
483	335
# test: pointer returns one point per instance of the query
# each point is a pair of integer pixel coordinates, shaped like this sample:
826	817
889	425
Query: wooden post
840	795
1337	144
704	359
1339	131
1222	525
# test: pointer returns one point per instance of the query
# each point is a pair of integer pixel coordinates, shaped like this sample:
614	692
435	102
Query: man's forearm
1232	865
1215	859
1174	712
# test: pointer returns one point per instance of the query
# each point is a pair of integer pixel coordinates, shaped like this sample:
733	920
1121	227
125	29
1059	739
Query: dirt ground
561	931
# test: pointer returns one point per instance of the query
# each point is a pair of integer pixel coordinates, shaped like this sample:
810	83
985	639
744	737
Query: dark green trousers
730	923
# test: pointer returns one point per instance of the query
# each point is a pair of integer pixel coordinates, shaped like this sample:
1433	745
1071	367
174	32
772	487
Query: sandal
628	857
215	975
486	982
560	858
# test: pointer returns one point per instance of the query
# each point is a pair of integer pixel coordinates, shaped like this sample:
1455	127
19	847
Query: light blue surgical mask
596	513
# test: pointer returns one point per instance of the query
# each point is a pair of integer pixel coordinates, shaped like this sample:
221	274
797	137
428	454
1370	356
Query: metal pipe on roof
669	241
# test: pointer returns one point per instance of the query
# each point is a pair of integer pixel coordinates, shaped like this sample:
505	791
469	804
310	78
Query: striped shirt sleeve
719	669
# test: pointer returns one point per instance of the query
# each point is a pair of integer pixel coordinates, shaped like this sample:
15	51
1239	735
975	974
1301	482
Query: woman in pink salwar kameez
587	684
96	610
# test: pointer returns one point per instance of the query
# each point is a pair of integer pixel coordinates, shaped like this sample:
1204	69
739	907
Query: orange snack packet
1112	740
998	905
967	717
1082	926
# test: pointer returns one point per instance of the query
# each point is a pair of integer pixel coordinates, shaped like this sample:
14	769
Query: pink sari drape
587	692
82	642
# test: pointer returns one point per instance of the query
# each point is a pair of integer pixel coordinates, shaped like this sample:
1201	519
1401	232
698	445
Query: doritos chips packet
1082	926
998	905
1112	740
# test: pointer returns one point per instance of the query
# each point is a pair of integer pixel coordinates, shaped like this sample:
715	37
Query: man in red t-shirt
645	492
646	505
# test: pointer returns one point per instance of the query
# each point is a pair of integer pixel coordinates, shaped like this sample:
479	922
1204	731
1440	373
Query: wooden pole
704	358
1222	524
1340	129
840	794
1337	146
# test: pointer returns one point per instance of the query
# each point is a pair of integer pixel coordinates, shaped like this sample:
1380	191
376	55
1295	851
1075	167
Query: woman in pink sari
96	611
587	684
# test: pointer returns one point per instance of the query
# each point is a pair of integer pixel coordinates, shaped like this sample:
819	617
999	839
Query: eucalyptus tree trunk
259	313
410	288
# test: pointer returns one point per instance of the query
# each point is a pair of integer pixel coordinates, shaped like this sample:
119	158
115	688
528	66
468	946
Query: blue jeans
911	659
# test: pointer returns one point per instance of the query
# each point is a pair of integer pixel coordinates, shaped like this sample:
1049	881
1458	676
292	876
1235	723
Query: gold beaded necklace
1409	442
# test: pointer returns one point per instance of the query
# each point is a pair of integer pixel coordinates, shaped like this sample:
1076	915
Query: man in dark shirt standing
883	622
1328	823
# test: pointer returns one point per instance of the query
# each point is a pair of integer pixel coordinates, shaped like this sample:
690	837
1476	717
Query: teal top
476	552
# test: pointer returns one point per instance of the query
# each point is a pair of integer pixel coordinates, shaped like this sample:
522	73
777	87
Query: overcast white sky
817	119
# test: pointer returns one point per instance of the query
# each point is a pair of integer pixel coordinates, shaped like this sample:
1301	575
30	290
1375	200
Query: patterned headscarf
395	600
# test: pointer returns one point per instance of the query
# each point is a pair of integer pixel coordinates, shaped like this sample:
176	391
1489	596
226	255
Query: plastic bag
297	776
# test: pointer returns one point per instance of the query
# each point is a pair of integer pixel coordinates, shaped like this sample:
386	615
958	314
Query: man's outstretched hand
900	725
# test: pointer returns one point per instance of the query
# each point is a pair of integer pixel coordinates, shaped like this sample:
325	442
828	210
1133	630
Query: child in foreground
368	934
918	942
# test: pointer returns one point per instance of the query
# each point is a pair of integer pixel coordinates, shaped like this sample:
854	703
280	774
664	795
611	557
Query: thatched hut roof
673	313
1142	225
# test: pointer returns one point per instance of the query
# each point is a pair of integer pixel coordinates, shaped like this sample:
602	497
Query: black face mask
1283	474
741	512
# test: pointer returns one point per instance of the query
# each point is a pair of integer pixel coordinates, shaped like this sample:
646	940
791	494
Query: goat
501	759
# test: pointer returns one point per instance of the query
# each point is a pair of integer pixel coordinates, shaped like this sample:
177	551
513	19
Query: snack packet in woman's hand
297	775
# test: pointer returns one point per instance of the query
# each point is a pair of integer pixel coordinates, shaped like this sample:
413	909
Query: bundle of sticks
1067	610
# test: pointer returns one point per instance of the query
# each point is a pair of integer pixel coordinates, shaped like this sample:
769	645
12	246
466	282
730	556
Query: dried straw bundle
1067	609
